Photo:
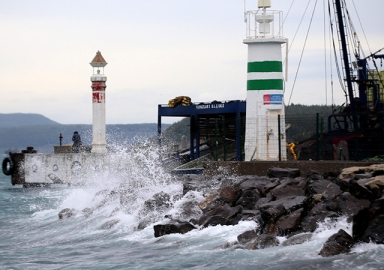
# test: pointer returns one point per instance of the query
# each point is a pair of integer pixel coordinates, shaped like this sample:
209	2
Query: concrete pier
261	168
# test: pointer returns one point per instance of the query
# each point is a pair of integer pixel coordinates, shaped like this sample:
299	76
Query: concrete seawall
261	168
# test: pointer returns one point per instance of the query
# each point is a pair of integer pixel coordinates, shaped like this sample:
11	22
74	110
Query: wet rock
344	184
374	170
87	212
159	200
289	203
109	224
188	208
375	184
146	221
290	187
222	215
283	172
326	188
223	196
363	176
338	243
247	236
254	215
248	198
66	213
214	221
297	239
289	223
272	211
349	205
351	172
264	241
317	197
374	231
270	186
174	227
315	176
360	191
317	214
262	201
254	183
368	224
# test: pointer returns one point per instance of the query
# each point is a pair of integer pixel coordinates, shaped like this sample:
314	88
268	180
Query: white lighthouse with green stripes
264	134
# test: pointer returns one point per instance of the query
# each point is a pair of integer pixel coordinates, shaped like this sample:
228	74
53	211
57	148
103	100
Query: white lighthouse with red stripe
98	80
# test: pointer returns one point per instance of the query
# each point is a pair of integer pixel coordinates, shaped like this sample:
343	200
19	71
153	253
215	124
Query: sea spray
125	193
33	237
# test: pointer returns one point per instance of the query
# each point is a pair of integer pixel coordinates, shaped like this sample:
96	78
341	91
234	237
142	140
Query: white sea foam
131	241
331	226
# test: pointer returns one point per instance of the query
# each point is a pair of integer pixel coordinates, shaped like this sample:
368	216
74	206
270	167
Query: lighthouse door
272	129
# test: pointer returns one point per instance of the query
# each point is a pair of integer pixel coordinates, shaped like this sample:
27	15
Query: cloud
155	50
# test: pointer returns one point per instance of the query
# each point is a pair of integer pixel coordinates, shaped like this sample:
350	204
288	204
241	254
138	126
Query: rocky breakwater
286	204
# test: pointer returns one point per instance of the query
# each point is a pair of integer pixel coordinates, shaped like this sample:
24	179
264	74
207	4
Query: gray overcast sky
155	50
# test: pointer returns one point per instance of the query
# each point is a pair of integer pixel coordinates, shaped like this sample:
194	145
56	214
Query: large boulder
351	172
247	236
376	185
317	214
290	187
254	182
254	215
272	211
289	203
223	196
349	205
314	175
174	227
368	224
348	173
326	188
188	207
359	190
160	200
297	239
289	223
338	243
264	241
222	215
248	199
262	201
266	188
66	213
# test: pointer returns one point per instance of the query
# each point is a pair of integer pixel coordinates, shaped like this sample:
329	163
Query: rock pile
285	204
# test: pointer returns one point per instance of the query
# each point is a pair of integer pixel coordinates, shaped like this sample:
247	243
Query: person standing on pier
76	142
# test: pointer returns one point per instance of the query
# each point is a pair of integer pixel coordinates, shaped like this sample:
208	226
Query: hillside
18	131
24	119
41	133
302	119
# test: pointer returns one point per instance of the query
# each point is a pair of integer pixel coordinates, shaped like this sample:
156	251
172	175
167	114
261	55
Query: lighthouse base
99	148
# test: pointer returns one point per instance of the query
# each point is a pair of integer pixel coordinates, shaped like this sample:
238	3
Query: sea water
33	237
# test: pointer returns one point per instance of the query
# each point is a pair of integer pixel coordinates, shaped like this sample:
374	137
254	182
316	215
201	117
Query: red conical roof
98	60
